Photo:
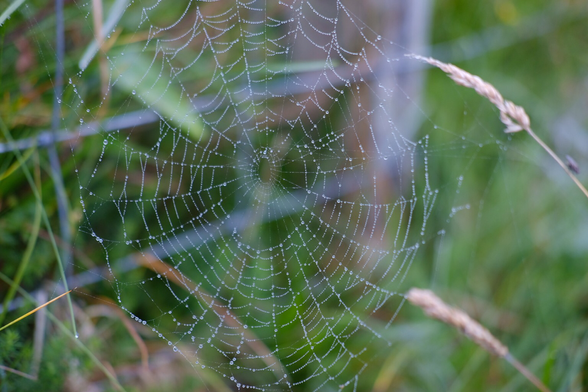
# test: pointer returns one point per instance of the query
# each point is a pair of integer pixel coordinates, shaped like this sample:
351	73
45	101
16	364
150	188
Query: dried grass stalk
435	307
514	117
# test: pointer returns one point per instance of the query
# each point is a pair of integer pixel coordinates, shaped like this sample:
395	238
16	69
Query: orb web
276	205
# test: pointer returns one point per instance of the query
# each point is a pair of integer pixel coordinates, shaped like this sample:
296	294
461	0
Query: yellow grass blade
16	165
34	310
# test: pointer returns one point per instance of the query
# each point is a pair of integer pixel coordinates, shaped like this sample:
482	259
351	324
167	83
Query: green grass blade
111	377
37	195
140	77
16	165
575	367
26	256
10	10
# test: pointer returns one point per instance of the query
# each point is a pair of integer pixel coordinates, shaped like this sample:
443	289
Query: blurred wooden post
406	24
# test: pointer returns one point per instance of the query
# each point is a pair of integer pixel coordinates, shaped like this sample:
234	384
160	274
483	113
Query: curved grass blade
26	257
37	195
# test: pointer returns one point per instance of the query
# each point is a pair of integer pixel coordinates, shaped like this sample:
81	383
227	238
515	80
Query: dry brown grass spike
434	307
513	116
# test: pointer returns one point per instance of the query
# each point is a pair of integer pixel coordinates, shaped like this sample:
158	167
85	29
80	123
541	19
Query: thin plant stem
525	372
558	160
27	253
34	310
16	165
111	377
434	307
108	373
18	372
513	116
37	195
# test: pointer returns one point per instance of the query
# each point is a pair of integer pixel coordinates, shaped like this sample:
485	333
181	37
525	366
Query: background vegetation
515	260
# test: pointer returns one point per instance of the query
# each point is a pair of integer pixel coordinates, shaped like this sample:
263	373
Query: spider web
277	206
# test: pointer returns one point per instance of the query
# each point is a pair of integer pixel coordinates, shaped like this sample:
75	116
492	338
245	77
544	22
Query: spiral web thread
277	205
